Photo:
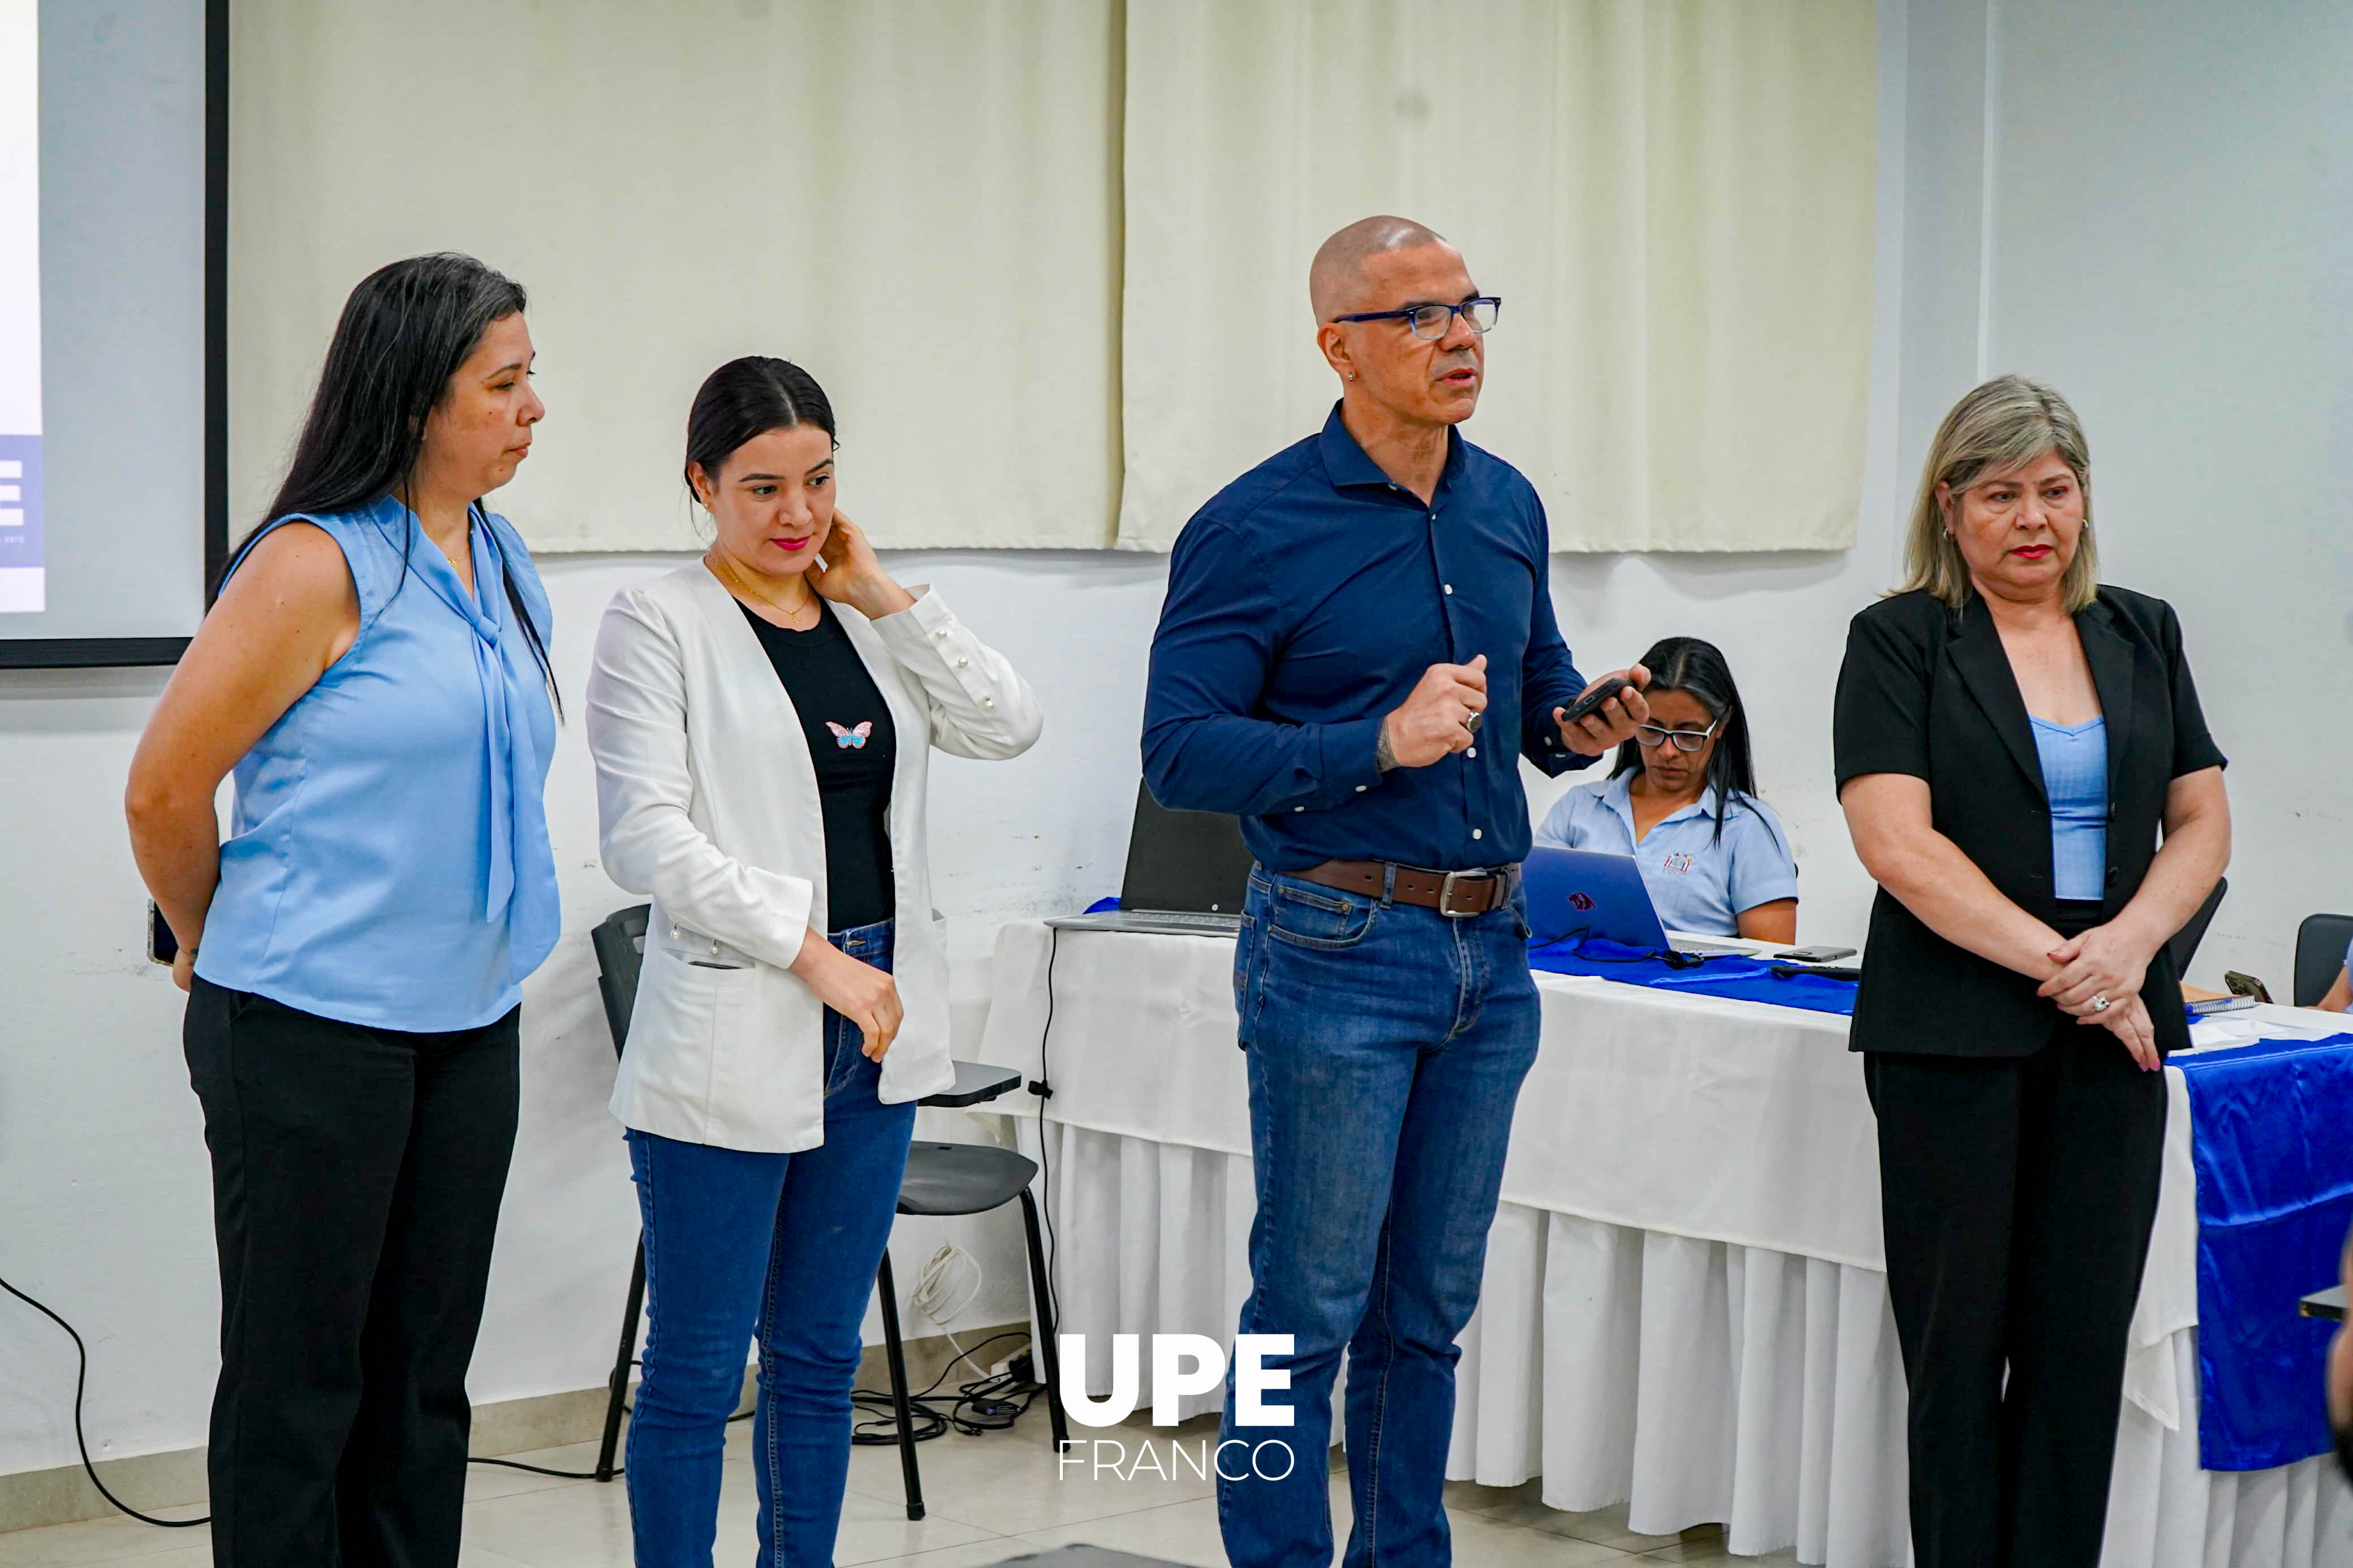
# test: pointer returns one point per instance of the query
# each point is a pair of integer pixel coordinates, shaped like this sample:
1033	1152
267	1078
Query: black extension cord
988	1404
1043	1087
81	1380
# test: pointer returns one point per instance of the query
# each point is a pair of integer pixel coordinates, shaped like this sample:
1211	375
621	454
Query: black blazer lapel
2111	655
1978	654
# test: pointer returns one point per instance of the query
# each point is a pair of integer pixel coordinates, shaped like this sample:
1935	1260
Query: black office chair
2183	944
2320	944
941	1179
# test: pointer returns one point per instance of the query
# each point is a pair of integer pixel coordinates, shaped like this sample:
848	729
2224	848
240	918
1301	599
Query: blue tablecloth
2271	1141
1749	979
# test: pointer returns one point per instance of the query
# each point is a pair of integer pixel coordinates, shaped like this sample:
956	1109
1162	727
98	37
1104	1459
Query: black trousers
2017	1195
356	1180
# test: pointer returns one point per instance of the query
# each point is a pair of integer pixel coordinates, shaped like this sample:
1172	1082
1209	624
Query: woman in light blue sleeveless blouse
375	673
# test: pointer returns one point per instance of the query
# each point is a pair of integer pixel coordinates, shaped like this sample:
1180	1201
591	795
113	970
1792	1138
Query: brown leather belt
1459	894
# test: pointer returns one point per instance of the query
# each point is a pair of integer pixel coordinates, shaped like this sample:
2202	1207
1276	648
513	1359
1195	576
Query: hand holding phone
1624	688
1587	706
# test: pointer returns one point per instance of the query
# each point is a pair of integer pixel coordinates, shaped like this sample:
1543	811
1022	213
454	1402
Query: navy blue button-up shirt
1306	601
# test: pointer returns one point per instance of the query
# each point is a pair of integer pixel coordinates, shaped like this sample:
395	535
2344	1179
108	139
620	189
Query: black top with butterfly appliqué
854	744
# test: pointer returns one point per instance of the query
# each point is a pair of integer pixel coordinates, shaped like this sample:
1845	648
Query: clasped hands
2107	963
1442	714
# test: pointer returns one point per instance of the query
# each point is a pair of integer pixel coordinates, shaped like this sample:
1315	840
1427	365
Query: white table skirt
1683	1307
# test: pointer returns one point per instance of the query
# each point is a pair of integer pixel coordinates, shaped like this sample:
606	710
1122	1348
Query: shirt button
1473	752
942	633
988	703
1450	587
1360	789
963	663
1299	808
1477	833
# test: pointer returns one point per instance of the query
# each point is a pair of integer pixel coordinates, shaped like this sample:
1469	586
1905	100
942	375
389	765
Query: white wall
2171	271
2171	227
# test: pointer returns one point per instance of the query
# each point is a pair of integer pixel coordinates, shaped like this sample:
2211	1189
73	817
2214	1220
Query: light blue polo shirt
1698	884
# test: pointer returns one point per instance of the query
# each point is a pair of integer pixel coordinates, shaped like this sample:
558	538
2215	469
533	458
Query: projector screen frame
72	653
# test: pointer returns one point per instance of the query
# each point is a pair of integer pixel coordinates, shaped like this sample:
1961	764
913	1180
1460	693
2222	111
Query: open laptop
1586	893
1186	874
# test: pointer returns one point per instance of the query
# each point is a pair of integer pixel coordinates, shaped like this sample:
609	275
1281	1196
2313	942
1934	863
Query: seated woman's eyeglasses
1653	737
1437	320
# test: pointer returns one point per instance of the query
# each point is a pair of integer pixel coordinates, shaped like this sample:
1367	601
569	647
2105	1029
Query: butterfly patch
850	740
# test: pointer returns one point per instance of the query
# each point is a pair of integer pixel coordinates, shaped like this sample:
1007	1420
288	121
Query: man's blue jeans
782	1244
1386	1044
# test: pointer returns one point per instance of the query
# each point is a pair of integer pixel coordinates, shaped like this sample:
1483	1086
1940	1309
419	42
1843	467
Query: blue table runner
1748	979
2271	1141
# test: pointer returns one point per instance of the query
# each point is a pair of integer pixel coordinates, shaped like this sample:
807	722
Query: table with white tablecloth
1684	1306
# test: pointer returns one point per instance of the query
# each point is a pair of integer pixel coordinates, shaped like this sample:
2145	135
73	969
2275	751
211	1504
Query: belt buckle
1446	894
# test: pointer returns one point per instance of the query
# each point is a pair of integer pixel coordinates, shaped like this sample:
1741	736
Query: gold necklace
731	577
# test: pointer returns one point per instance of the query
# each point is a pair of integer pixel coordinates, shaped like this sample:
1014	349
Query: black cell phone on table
162	947
1587	706
1815	954
2240	984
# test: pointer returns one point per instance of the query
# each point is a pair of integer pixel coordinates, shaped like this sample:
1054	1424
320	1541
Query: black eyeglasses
1653	736
1437	320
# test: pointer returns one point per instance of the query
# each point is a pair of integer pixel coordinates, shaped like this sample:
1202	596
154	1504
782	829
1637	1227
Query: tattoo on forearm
1384	756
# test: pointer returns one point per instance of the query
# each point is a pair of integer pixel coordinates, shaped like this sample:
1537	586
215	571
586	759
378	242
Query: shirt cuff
1350	760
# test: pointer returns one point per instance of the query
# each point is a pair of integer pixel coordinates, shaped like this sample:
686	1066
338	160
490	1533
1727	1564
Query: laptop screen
1189	861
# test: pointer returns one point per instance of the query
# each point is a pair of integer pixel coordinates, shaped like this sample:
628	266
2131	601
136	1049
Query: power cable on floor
81	1380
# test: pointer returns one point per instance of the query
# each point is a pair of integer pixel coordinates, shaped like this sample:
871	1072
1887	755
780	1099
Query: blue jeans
1386	1044
784	1245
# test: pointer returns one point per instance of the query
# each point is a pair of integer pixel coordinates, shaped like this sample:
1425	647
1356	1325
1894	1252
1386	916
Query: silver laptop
1187	872
1587	893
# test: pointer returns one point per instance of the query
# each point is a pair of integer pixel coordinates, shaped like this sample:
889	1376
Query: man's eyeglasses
1437	320
1652	736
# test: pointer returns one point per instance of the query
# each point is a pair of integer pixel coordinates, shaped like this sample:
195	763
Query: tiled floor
990	1498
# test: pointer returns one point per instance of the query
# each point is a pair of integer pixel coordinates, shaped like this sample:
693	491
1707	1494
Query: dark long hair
747	397
403	334
1698	670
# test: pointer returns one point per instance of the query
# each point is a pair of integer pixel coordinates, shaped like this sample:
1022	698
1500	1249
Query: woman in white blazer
761	723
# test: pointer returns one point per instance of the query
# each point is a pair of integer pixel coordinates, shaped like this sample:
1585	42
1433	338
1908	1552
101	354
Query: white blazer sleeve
979	706
636	733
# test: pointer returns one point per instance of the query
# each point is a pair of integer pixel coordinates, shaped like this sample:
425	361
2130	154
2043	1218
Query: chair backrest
620	943
2184	942
2320	944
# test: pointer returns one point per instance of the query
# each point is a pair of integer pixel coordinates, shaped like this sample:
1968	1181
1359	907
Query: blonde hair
2004	424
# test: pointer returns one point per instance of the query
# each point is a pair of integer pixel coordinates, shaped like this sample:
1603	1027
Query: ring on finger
2100	1004
1473	722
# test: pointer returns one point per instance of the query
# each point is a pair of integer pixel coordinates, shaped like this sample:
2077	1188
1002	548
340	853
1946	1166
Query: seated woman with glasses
1683	802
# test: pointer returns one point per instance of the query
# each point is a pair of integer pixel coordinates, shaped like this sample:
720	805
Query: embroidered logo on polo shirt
1677	863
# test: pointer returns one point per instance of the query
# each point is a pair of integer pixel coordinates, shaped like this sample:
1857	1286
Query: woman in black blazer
2011	736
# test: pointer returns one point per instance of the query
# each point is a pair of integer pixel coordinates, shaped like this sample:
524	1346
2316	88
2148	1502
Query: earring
1352	375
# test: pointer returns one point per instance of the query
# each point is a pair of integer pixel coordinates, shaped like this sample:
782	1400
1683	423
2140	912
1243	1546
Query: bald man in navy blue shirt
1358	648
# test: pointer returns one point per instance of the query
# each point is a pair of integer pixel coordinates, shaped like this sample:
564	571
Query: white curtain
1673	198
917	201
1049	256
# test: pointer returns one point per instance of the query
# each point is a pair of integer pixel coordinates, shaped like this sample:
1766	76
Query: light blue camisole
2076	779
389	862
